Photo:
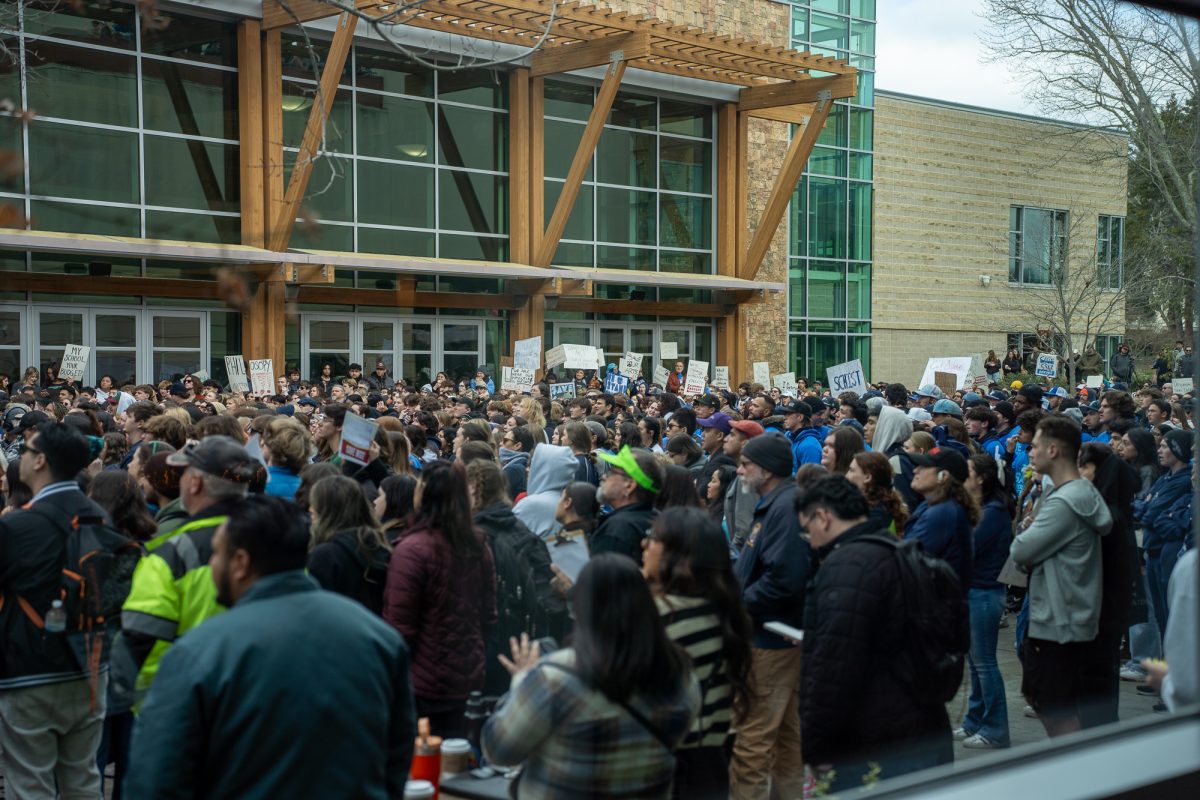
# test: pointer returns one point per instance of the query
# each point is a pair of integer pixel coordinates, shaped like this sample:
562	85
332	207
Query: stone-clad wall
761	21
945	178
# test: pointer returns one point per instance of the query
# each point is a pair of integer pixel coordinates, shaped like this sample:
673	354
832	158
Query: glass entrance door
461	348
12	333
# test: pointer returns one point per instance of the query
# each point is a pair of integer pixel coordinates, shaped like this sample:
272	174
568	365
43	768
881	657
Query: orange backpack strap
33	615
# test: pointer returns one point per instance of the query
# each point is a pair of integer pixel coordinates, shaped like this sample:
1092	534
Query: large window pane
191	174
686	165
116	330
638	258
198	227
190	100
860	221
12	148
60	329
829	33
298	99
304	59
579	224
190	38
634	111
833	132
122	366
562	140
176	332
686	221
316	236
859	291
473	202
473	139
568	100
473	248
396	242
825	161
394	127
330	192
389	71
688	119
380	203
90	164
796	288
109	24
862	37
861	129
476	87
78	83
692	263
625	216
461	338
827	218
47	215
626	158
826	289
172	365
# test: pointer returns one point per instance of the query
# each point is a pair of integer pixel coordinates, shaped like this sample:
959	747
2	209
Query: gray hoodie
892	427
551	468
1061	549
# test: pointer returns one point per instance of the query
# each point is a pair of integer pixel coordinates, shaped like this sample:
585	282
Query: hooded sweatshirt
514	463
1061	549
551	468
892	430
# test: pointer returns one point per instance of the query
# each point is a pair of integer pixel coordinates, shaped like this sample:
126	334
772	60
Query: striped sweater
692	623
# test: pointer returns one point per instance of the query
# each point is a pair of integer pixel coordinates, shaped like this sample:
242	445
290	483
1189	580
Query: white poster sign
977	376
357	435
600	365
562	391
668	350
555	356
201	375
1181	385
527	353
1096	381
262	376
579	356
847	377
1047	365
786	383
762	373
631	365
721	377
959	365
517	379
697	376
235	369
74	362
661	376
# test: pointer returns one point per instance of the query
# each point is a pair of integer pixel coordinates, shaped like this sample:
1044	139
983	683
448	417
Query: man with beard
251	705
629	488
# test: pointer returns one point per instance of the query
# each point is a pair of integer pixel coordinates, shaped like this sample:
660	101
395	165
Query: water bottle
56	618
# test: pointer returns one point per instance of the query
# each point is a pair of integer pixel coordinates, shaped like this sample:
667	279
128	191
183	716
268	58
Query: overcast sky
932	48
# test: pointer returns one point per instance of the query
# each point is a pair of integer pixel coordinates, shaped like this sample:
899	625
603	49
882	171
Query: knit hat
772	452
1180	442
162	476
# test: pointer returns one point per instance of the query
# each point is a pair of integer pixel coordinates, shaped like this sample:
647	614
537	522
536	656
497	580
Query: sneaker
980	742
1144	689
1029	712
1004	620
961	733
1132	673
1160	707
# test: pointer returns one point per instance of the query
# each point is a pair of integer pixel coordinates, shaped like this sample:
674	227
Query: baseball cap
919	415
178	390
1058	391
946	407
164	477
794	407
997	395
747	427
949	460
597	430
708	400
220	456
1091	408
829	402
930	390
718	420
380	365
32	420
625	461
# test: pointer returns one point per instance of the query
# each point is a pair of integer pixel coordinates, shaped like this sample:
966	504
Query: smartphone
786	631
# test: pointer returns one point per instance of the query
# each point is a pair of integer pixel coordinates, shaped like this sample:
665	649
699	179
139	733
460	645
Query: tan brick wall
769	23
945	178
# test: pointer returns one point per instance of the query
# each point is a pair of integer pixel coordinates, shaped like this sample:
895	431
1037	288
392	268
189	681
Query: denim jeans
1144	640
1158	573
987	709
1022	629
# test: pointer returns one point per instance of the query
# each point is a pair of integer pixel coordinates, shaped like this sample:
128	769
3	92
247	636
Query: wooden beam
579	165
272	132
648	307
537	163
794	115
251	161
790	93
57	283
520	183
276	14
781	193
730	339
595	53
308	273
331	73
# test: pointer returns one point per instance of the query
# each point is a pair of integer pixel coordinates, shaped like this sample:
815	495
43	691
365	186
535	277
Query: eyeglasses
24	448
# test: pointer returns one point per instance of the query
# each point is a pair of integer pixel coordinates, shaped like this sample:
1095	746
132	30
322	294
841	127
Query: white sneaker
960	734
1132	673
1029	712
980	742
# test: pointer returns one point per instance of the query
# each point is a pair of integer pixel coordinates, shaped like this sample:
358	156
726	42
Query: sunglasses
24	448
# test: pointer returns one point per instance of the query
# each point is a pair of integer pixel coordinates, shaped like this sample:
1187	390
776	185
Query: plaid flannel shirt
574	742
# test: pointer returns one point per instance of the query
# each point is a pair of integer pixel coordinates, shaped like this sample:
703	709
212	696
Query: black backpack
97	574
937	630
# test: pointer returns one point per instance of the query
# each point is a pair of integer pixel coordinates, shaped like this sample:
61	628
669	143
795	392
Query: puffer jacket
444	605
853	706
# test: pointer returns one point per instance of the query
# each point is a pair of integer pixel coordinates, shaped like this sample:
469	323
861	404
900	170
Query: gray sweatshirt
1061	549
1182	684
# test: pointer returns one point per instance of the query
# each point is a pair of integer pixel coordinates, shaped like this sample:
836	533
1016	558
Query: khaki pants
768	734
49	736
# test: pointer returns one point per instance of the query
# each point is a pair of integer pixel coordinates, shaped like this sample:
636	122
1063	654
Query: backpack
937	631
97	575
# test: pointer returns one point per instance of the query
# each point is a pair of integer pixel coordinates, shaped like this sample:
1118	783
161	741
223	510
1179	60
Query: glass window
861	166
381	204
476	87
473	139
858	291
187	173
829	33
298	99
194	101
81	83
473	248
863	8
1110	246
826	289
85	163
861	129
176	332
579	224
833	133
330	191
109	24
190	38
633	111
568	100
303	58
625	216
826	161
686	166
562	140
11	334
1037	245
796	293
626	158
389	71
394	127
687	119
396	242
12	159
116	330
470	201
862	37
48	215
693	263
639	258
686	221
861	216
570	254
827	218
200	227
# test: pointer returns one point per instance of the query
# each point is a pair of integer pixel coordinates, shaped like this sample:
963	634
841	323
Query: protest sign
74	362
786	383
615	383
357	435
579	356
600	365
527	353
847	377
668	350
1183	385
721	377
262	376
235	369
1047	365
661	376
976	376
697	376
762	373
946	381
555	356
517	379
200	375
960	366
562	391
631	365
1096	381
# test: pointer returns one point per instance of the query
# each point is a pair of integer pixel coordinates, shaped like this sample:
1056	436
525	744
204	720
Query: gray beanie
771	451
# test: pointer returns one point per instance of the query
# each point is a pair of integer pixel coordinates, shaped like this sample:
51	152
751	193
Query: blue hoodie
1153	510
806	447
944	532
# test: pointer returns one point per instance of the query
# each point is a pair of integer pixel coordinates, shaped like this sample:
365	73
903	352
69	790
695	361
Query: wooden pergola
775	83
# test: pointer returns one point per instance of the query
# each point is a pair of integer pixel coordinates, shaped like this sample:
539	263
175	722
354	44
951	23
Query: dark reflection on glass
190	100
80	83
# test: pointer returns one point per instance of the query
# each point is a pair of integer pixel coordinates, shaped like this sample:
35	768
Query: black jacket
852	704
774	564
713	464
341	566
33	552
622	531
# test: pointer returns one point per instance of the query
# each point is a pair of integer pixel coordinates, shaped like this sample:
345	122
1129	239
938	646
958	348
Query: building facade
992	230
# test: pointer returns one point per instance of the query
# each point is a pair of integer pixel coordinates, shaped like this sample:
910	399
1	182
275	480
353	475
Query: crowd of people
650	594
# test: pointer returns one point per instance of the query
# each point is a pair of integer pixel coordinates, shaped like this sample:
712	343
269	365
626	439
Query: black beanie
1179	441
772	452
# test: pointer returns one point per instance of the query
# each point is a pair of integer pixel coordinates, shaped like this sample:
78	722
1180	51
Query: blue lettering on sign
616	384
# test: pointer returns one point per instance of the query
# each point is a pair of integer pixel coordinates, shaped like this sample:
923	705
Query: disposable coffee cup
419	790
456	757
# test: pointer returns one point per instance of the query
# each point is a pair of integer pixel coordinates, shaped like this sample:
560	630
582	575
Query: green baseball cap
624	460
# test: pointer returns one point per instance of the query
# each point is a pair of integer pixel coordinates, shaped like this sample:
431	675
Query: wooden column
526	192
250	133
731	199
